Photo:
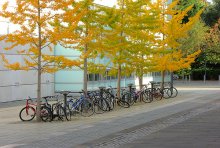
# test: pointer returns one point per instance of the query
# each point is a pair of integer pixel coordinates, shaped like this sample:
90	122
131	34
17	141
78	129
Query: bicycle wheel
129	97
166	95
111	102
87	108
105	104
27	114
123	103
146	97
158	94
68	113
60	112
172	92
98	106
46	114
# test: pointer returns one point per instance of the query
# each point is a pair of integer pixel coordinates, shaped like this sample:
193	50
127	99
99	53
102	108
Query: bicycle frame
30	105
77	103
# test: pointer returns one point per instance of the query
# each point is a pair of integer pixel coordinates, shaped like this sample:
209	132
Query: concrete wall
18	85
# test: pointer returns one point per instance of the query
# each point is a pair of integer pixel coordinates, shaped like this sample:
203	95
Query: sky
113	2
109	3
106	2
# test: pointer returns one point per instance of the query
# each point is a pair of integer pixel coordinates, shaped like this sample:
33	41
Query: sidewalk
197	84
180	85
81	129
197	128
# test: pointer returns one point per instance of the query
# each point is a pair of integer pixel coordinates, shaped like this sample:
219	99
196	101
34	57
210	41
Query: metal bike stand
64	93
130	87
152	87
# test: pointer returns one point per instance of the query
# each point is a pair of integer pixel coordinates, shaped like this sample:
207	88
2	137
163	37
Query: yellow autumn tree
90	30
168	56
114	44
37	35
142	27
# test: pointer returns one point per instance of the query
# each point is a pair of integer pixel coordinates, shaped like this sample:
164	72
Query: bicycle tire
68	113
128	97
46	114
123	103
87	108
98	107
173	92
111	103
166	95
107	107
158	94
146	97
102	102
24	111
60	113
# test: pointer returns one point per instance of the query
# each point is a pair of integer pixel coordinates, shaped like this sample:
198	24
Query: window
97	77
90	77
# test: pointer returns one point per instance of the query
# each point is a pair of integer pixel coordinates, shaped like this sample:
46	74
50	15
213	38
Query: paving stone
85	130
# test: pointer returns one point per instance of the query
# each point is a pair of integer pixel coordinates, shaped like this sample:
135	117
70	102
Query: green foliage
196	38
212	13
212	45
197	5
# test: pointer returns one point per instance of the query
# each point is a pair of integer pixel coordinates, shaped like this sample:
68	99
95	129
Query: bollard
152	87
64	93
130	86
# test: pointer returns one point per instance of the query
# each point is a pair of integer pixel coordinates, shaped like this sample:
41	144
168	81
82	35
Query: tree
212	47
197	6
212	13
172	30
195	40
114	44
89	31
36	20
143	23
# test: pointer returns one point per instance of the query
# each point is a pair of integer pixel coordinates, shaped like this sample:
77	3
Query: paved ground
198	127
190	120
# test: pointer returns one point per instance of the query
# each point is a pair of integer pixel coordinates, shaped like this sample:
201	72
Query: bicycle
28	112
58	110
172	91
100	104
114	98
141	94
82	105
157	92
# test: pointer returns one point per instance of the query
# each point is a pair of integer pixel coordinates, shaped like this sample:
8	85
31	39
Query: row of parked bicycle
98	101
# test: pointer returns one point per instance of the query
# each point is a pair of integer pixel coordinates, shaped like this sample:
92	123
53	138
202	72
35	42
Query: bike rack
64	93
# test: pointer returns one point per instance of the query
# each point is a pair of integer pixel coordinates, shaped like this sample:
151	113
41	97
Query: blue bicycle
81	105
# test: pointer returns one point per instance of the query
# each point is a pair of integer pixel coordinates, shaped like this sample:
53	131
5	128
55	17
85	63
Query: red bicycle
29	111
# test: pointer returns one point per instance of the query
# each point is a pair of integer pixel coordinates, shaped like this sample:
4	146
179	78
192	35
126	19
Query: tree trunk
163	77
119	65
38	91
171	79
39	67
140	79
119	82
85	71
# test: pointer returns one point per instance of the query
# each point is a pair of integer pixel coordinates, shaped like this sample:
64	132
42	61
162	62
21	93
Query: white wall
18	85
